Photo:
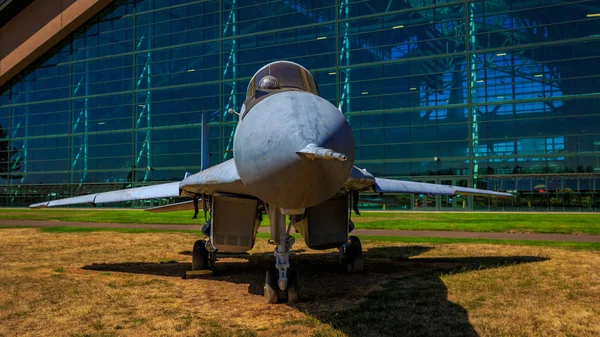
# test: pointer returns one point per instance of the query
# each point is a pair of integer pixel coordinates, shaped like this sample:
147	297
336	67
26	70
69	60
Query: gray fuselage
270	135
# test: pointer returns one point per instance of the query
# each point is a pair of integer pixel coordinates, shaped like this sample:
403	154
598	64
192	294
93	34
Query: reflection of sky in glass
395	57
527	146
495	82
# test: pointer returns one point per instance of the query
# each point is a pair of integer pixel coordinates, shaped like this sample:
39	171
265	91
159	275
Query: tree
8	165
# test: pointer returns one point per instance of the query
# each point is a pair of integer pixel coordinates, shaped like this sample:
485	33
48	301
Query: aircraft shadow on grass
395	296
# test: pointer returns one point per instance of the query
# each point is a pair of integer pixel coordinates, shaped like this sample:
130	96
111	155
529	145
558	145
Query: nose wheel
274	294
281	282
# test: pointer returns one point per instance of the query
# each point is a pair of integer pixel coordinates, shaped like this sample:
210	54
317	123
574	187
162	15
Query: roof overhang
31	30
10	8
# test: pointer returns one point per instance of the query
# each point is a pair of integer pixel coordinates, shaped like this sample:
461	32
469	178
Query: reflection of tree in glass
8	165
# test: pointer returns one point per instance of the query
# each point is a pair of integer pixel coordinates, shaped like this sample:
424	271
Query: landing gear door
234	223
327	223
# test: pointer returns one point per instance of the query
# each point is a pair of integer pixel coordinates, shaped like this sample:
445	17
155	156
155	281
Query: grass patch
307	321
365	239
472	222
101	215
555	244
117	285
71	229
482	222
59	270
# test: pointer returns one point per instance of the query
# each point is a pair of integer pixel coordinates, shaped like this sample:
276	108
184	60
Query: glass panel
419	202
431	201
128	89
446	201
399	202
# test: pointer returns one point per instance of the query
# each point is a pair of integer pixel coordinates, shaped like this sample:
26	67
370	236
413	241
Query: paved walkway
358	232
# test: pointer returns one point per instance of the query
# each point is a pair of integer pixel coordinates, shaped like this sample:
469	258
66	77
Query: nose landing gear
272	291
281	282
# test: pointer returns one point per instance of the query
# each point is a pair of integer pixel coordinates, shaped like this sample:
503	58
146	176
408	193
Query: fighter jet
293	159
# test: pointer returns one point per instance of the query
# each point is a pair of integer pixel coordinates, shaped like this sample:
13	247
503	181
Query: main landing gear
202	259
204	254
351	256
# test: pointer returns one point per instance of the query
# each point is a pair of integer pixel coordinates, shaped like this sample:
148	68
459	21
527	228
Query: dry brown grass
105	284
558	297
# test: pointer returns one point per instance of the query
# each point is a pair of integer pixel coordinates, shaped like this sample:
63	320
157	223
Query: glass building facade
497	94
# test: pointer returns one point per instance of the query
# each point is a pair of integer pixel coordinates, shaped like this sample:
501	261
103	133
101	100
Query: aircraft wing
410	187
222	178
363	181
147	192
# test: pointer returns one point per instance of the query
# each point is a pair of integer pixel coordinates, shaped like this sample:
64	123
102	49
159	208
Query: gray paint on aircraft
270	135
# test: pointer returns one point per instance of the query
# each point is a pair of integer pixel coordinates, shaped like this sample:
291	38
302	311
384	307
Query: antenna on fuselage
204	160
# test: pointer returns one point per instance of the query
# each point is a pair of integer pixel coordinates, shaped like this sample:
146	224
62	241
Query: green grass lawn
473	222
364	239
102	215
483	222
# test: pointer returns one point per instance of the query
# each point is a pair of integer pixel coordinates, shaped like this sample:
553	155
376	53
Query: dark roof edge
10	8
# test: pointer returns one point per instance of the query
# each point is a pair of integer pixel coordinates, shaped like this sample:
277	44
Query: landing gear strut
281	282
351	256
204	253
199	256
202	258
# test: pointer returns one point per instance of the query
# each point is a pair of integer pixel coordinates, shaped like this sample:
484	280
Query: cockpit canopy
281	75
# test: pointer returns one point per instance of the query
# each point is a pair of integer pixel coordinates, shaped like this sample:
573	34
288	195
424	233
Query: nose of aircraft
294	150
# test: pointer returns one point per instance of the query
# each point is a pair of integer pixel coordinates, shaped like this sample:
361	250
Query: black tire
354	256
292	287
355	265
200	256
355	242
271	287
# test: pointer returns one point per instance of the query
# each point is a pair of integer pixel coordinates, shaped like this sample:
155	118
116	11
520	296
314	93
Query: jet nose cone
294	150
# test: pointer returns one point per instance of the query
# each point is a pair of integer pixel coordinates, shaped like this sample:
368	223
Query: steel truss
23	153
82	117
145	112
344	57
231	65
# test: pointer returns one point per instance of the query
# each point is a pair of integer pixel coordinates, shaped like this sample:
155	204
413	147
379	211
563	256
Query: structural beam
38	28
231	65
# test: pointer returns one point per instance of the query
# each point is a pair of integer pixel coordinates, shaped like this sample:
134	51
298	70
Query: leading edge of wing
167	190
221	178
383	185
